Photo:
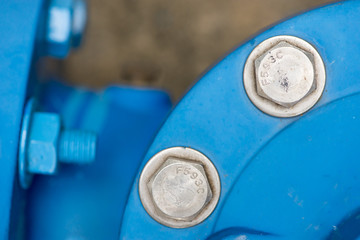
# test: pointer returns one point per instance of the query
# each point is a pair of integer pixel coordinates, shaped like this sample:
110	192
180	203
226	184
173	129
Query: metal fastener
284	76
66	23
179	187
44	145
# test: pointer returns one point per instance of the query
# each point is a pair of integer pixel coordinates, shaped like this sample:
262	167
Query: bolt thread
76	146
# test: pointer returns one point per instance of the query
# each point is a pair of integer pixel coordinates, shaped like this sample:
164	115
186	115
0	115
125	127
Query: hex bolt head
43	141
180	189
66	23
59	28
44	144
285	74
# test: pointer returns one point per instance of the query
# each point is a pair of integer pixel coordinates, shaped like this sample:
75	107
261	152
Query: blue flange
281	178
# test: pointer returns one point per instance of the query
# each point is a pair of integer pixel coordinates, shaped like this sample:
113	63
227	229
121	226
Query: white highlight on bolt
59	24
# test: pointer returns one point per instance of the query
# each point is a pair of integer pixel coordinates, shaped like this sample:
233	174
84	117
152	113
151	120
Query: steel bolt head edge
179	187
284	76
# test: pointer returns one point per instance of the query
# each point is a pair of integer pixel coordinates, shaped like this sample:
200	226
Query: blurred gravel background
165	43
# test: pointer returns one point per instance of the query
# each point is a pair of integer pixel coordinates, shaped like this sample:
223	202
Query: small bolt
180	189
66	24
44	145
285	74
49	144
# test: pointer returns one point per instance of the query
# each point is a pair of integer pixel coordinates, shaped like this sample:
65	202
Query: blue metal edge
19	21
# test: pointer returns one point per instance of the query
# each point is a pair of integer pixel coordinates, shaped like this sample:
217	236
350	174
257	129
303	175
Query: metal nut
59	27
65	27
285	74
44	144
179	187
42	149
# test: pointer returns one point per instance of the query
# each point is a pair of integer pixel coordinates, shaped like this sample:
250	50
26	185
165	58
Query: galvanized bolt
44	145
179	187
285	74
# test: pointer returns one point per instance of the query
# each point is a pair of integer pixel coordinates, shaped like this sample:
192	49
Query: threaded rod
76	146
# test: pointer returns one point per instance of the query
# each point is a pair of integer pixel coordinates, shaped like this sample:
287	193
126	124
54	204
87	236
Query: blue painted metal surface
293	178
17	44
88	202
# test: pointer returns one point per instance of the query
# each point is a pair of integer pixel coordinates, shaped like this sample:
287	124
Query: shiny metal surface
179	187
284	76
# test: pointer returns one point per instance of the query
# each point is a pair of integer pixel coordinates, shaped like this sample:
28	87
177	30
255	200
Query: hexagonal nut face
180	189
285	74
42	146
